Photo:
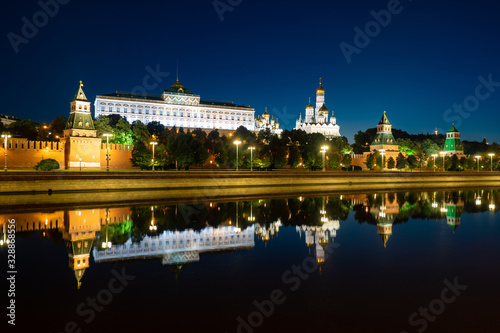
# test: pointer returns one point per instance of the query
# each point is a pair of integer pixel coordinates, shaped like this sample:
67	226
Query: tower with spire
82	146
453	145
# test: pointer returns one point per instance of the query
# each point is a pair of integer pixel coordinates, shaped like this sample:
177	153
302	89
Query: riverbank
18	189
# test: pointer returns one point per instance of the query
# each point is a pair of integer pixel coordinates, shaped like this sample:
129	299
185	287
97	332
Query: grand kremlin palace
177	106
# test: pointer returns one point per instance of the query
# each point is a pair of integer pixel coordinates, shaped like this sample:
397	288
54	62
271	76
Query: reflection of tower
385	217
453	214
79	233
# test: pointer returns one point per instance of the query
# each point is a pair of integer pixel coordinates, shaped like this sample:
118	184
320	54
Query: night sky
265	54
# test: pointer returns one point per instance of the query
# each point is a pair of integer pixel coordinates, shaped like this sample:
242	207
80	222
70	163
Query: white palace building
176	106
318	120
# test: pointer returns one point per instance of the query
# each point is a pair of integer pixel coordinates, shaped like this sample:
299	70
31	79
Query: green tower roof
453	129
82	121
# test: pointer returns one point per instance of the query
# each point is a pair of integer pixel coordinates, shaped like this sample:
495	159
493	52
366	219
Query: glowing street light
477	159
323	151
153	143
6	136
382	152
251	157
442	153
491	158
237	142
107	135
434	155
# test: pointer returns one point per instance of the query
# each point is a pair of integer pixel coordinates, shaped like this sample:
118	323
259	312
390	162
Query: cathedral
317	119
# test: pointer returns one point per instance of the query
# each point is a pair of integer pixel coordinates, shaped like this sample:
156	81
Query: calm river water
374	262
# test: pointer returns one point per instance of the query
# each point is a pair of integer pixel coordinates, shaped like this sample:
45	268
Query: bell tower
81	145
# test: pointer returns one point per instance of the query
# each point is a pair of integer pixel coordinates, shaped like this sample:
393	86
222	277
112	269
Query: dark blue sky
266	53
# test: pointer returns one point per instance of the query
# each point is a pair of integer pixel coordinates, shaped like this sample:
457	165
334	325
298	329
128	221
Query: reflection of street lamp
251	157
434	155
5	240
80	164
382	152
477	159
251	218
442	154
107	243
5	136
152	227
323	151
237	142
491	158
107	135
153	143
491	205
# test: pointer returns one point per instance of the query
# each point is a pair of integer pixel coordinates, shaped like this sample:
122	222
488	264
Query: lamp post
107	135
251	157
491	158
442	153
80	164
5	136
323	151
382	152
477	159
434	155
153	143
237	142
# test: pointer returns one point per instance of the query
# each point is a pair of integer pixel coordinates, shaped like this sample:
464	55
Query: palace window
244	118
220	117
227	117
154	112
189	114
175	113
168	113
232	117
124	109
103	108
238	118
140	111
147	111
182	113
132	110
117	109
110	109
161	112
195	115
201	115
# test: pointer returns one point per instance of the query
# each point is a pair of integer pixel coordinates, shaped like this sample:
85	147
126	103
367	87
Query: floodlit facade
318	120
177	106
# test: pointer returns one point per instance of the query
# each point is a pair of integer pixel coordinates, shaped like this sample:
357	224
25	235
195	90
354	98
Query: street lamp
107	135
153	143
382	152
251	157
5	136
442	153
323	151
477	159
491	158
434	155
237	142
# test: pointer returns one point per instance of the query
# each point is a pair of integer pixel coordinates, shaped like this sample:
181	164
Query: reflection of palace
264	232
178	247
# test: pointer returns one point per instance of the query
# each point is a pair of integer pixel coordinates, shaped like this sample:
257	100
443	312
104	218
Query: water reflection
178	234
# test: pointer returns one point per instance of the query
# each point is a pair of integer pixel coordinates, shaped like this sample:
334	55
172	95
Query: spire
384	120
320	88
80	95
177	80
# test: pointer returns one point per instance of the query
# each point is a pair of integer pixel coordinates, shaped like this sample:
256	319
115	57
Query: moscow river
369	262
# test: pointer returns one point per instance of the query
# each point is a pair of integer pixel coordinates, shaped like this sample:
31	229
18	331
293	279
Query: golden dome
320	88
309	107
323	110
265	115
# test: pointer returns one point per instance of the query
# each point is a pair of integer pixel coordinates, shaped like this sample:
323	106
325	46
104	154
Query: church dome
320	89
323	110
265	115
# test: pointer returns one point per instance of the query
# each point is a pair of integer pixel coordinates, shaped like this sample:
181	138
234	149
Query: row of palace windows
174	113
